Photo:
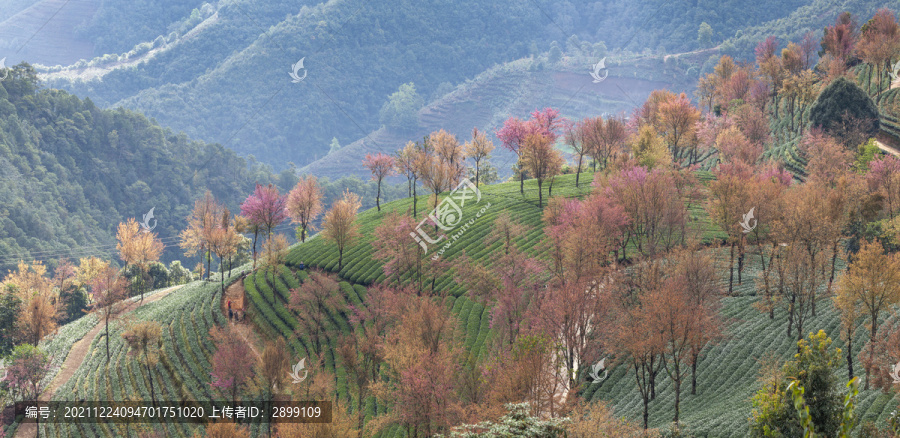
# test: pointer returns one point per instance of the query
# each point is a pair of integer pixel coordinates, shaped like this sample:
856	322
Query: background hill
219	71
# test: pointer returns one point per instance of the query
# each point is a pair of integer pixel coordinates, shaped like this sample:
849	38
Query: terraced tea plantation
727	371
182	373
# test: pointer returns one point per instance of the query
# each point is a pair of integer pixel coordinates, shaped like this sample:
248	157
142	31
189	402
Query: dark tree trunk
255	237
849	353
578	171
871	350
222	273
834	253
540	194
731	271
790	316
415	199
208	262
477	174
694	358
521	182
107	333
359	413
677	398
378	197
152	391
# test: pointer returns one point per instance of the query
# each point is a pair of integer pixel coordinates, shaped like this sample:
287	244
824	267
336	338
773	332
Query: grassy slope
727	372
186	316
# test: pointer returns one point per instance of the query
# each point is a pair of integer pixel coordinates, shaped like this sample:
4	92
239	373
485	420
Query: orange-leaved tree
340	225
304	205
34	290
479	149
138	248
195	238
108	290
541	160
873	282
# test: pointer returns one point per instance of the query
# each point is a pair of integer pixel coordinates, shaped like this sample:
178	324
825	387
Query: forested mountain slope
221	72
70	172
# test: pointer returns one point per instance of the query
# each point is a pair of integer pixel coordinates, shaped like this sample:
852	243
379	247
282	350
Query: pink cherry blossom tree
264	209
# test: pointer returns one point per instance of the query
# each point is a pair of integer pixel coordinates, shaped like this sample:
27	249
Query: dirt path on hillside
235	293
886	144
76	357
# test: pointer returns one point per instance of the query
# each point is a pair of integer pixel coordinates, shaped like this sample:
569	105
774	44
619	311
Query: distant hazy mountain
220	71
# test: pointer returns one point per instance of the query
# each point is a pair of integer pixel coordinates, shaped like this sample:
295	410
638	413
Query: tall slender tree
231	370
478	149
450	153
264	209
315	300
512	137
138	248
195	238
108	290
144	341
574	136
304	205
873	281
381	166
224	241
542	160
340	224
404	164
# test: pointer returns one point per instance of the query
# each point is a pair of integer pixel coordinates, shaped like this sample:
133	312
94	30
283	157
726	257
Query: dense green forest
70	172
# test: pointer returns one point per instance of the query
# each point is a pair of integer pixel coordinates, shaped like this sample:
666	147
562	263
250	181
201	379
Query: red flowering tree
884	177
512	135
546	122
28	366
264	209
231	367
